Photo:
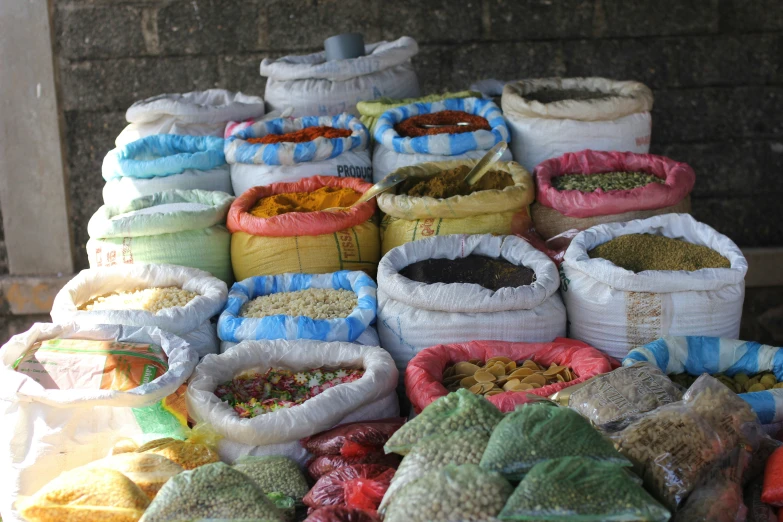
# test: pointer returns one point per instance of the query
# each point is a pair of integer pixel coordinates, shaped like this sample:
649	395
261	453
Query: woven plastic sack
191	322
323	464
354	439
393	151
618	118
361	486
413	315
274	474
556	211
278	432
424	374
177	227
371	110
313	86
164	162
235	328
214	491
616	310
46	432
460	411
464	492
303	242
579	488
254	164
409	218
198	113
696	355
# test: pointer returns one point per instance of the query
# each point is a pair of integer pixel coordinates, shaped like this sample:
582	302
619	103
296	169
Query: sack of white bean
323	307
176	299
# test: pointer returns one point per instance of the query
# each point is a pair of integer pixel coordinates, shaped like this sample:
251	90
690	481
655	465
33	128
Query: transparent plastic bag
324	464
212	491
355	439
758	511
285	505
366	484
541	431
579	488
455	412
465	492
93	494
341	514
434	454
147	470
274	474
198	449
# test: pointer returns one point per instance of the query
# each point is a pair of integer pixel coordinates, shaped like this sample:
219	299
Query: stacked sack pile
254	341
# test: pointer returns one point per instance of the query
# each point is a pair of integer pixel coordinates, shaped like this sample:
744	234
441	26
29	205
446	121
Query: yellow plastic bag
86	495
198	449
499	212
147	470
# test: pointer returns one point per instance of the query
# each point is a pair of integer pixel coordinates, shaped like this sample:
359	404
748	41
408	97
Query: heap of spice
640	252
490	273
302	135
605	181
252	394
451	182
324	197
556	95
414	126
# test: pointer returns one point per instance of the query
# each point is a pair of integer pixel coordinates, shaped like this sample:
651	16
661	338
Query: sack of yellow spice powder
314	242
499	212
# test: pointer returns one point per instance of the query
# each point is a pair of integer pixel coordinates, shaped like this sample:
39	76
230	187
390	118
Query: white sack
191	322
47	432
413	315
369	337
370	397
120	191
615	310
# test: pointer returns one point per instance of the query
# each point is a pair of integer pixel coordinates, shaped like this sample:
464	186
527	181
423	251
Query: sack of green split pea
55	430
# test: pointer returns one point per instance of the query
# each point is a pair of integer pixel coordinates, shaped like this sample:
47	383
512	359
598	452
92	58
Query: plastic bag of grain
556	211
551	116
414	315
313	86
373	109
198	113
191	321
49	431
177	227
253	163
409	218
372	396
393	151
616	310
164	162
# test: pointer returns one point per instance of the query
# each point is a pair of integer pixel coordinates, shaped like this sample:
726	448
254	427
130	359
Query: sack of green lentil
313	86
582	189
393	151
413	315
176	299
164	162
371	110
278	430
324	307
50	430
177	227
256	156
615	309
580	488
303	242
197	113
551	116
274	474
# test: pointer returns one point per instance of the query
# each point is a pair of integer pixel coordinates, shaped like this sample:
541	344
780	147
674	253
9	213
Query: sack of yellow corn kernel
371	110
176	299
53	430
499	212
302	241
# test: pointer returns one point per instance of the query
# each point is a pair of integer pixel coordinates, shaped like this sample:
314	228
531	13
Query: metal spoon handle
485	163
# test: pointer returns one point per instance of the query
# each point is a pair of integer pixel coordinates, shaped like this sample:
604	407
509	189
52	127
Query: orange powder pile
324	197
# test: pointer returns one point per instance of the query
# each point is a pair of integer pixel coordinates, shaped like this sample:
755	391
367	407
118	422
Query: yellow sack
499	212
371	110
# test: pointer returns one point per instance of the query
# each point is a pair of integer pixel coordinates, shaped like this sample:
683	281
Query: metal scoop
485	163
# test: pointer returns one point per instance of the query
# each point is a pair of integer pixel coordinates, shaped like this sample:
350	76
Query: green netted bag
434	454
455	412
274	474
213	491
371	110
463	493
581	489
541	431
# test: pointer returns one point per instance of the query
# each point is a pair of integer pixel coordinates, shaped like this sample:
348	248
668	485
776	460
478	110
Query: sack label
353	171
643	312
109	257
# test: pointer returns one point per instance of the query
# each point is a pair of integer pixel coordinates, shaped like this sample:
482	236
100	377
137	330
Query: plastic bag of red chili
324	464
354	439
360	486
773	480
341	514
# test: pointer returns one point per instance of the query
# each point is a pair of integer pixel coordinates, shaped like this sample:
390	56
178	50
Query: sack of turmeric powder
309	242
499	212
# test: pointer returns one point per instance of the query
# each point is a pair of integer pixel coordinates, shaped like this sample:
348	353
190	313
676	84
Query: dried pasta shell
467	382
511	384
497	369
484	376
535	378
466	367
477	389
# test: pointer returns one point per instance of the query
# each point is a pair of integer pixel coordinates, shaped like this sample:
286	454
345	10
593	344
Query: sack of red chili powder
355	439
324	464
773	479
341	514
360	486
